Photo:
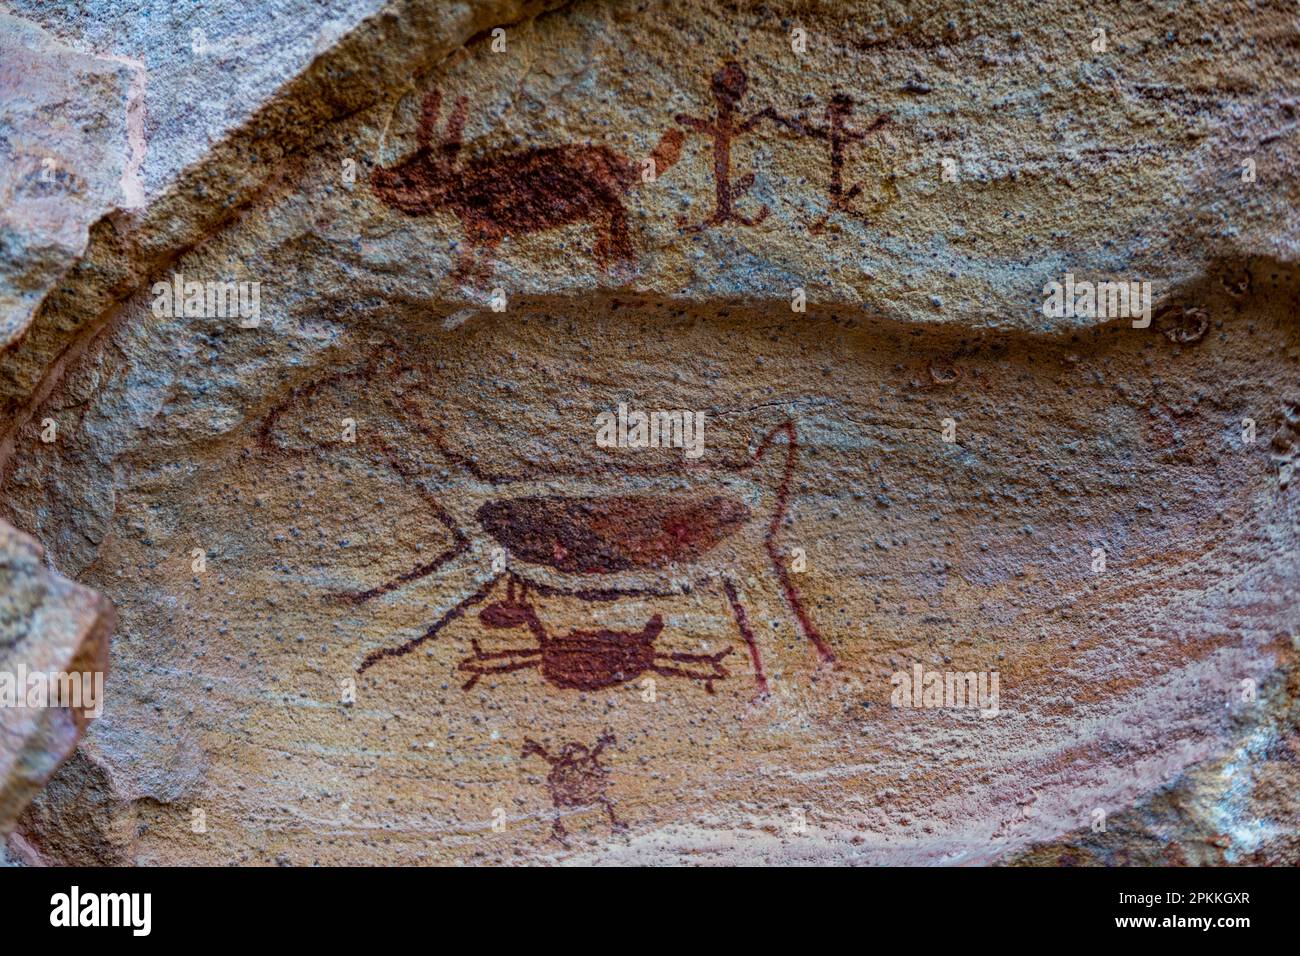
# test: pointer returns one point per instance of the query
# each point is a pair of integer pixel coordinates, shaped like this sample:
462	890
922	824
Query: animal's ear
429	110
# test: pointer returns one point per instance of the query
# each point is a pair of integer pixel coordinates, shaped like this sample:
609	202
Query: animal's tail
664	156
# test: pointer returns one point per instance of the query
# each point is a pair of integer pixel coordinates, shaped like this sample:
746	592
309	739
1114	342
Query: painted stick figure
577	779
838	133
729	85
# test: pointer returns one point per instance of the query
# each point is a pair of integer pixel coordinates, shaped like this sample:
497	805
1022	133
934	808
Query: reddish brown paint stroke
608	533
596	536
728	86
773	550
577	780
512	194
611	534
746	632
840	136
374	657
582	660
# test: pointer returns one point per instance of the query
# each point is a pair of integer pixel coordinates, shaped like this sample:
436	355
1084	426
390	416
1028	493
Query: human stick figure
838	133
728	85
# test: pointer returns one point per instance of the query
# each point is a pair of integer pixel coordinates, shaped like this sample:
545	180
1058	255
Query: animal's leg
717	672
696	658
614	821
706	679
481	240
470	665
517	654
613	243
531	747
481	274
742	622
482	655
557	830
464	264
792	597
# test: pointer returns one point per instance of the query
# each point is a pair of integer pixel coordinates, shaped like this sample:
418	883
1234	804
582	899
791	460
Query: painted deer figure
532	190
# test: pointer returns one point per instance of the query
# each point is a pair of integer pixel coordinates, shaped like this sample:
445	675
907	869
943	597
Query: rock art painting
516	193
585	660
603	546
576	780
650	433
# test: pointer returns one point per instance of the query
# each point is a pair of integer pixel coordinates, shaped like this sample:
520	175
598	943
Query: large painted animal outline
652	571
577	780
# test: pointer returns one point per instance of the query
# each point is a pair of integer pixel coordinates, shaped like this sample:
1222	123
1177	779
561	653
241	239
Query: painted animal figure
577	780
582	660
729	85
671	536
532	190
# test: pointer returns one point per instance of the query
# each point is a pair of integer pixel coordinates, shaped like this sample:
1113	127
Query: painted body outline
728	86
466	553
839	136
582	660
577	780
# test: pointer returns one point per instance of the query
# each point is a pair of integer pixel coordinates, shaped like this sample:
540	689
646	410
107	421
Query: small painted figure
577	780
839	135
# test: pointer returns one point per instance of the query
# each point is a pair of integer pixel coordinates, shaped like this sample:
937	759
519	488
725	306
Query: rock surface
384	598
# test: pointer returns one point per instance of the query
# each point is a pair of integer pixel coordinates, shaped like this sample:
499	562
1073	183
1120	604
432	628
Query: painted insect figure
531	190
577	780
583	660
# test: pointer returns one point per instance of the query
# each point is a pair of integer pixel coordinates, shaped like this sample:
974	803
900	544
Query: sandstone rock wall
381	594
